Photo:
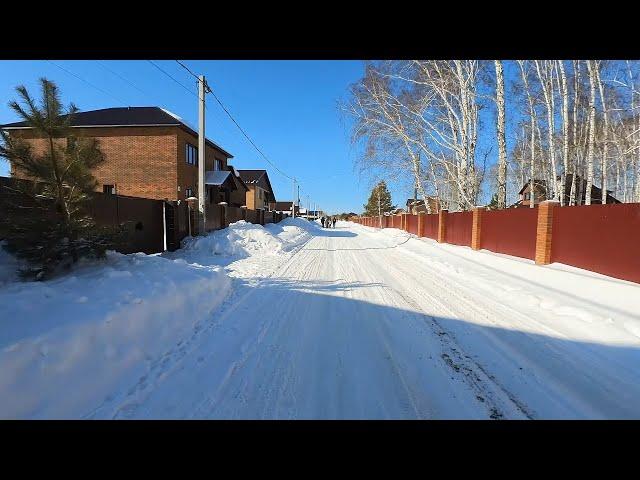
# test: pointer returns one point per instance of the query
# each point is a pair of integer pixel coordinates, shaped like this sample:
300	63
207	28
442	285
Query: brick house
225	186
149	152
415	206
541	192
260	193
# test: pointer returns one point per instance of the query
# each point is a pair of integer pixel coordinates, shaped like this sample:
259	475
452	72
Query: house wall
251	197
140	161
188	174
148	162
256	197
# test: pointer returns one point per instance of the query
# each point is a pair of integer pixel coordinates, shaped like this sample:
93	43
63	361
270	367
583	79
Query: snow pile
66	344
242	240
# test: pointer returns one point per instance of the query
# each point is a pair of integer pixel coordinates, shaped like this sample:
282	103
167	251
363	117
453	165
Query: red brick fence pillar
442	225
545	231
420	224
476	227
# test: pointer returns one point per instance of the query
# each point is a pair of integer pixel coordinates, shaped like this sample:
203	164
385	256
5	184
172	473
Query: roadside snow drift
245	250
70	342
242	239
71	346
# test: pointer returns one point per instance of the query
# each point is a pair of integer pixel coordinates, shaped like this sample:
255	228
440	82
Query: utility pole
298	198
293	200
202	86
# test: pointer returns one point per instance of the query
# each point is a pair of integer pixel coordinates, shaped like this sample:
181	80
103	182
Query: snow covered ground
293	321
71	346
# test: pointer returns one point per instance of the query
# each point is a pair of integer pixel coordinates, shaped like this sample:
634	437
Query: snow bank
242	239
567	302
67	343
71	346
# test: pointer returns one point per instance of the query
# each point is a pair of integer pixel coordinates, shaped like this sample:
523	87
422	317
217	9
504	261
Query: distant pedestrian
334	222
322	221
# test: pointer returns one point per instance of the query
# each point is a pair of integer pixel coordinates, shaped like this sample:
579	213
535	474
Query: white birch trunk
565	130
502	143
592	129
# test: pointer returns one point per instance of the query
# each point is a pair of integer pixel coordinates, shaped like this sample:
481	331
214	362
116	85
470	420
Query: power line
238	125
171	77
121	77
87	82
187	69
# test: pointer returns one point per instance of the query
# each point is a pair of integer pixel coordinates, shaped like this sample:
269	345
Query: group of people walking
328	222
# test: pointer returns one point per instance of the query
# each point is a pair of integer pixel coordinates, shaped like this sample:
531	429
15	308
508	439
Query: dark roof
251	176
258	177
254	176
216	177
283	206
125	117
536	182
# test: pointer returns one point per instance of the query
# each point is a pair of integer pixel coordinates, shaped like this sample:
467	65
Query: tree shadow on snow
537	375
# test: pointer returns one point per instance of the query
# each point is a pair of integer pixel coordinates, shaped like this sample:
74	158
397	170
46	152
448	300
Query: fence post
420	224
544	232
404	221
223	212
476	227
193	218
442	225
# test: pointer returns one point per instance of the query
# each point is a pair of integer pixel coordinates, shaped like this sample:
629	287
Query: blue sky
289	108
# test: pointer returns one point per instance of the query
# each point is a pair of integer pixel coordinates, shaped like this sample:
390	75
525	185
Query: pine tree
493	204
379	201
46	222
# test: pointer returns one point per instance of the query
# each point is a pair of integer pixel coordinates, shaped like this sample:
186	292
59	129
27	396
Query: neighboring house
259	194
285	207
225	186
415	206
541	192
149	152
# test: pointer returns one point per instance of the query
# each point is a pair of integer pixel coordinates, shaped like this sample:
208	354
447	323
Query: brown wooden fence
601	238
155	225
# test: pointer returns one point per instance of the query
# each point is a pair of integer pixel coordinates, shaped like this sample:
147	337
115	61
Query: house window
527	196
188	192
218	164
191	154
109	189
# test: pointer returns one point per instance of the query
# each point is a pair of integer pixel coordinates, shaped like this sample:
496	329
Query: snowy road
360	323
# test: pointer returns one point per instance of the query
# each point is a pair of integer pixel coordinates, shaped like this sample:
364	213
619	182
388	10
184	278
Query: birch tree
565	130
545	75
502	143
592	128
